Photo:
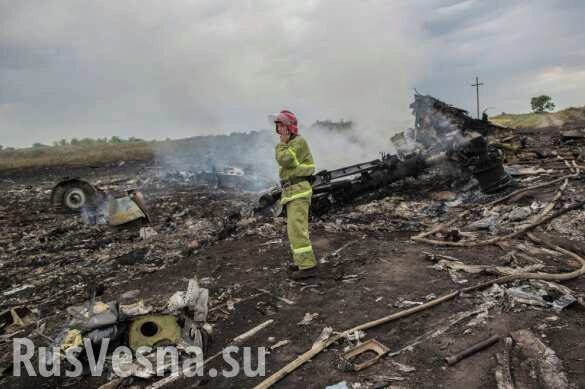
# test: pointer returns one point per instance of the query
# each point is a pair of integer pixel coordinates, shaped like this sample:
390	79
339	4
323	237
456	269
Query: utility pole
477	85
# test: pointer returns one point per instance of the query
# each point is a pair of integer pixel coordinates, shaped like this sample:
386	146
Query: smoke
322	60
333	148
180	68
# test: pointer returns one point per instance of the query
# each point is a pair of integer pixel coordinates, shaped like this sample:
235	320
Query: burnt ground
377	272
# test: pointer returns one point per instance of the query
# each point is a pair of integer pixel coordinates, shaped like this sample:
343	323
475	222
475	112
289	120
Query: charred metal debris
442	135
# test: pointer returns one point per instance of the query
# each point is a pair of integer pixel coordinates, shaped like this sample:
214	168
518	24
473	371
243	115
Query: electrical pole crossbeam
477	85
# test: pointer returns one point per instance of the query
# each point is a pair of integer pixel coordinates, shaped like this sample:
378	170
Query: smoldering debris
227	177
98	206
443	136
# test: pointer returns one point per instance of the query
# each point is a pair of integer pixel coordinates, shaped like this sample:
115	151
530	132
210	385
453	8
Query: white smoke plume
179	68
352	60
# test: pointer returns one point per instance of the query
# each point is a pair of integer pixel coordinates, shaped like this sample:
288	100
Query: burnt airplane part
443	133
74	195
485	163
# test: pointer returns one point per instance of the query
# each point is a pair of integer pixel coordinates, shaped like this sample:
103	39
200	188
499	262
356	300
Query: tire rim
75	198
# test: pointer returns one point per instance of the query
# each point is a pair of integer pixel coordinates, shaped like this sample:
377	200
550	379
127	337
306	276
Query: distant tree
340	125
63	142
541	104
1	147
87	141
116	139
133	139
38	145
74	142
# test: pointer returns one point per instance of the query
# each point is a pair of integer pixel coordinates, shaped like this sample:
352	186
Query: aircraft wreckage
442	134
97	206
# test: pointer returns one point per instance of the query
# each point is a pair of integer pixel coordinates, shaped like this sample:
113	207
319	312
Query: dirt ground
378	270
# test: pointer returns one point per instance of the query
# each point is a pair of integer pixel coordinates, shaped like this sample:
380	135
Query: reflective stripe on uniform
301	250
297	196
294	155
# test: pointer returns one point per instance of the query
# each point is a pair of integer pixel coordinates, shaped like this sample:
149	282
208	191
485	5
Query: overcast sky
176	68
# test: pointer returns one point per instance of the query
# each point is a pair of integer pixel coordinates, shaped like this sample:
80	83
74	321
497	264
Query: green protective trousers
297	226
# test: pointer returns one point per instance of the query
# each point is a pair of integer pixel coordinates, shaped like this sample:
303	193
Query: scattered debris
549	367
308	318
17	290
542	294
503	373
323	336
519	213
284	300
253	331
279	344
339	385
136	309
48	260
355	336
384	379
402	303
14	319
147	233
573	135
453	320
403	368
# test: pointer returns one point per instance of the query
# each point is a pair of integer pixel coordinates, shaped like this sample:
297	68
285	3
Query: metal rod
453	359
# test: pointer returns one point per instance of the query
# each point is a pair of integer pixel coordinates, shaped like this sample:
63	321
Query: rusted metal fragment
372	345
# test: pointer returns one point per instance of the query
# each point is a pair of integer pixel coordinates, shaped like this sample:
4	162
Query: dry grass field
73	155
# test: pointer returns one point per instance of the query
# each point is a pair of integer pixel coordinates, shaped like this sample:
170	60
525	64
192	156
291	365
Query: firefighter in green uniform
296	165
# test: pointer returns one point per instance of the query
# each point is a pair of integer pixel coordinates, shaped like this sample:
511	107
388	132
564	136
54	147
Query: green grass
539	120
524	120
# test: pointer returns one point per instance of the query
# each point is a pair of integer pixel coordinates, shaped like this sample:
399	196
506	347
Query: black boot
304	274
291	268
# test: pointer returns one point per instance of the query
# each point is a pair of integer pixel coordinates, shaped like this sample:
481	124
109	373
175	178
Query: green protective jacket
296	162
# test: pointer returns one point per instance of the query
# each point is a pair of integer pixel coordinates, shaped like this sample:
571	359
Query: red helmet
288	119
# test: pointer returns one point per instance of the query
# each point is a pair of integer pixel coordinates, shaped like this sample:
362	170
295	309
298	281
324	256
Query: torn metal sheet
97	206
135	309
13	319
91	315
123	210
541	294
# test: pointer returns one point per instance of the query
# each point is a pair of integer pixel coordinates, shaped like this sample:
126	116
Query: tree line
81	142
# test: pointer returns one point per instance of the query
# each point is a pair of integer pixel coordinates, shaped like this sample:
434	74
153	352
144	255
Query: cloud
508	44
181	68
